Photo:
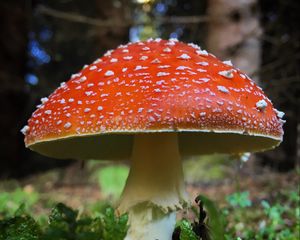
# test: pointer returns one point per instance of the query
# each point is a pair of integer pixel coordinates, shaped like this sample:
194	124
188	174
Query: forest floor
75	187
253	197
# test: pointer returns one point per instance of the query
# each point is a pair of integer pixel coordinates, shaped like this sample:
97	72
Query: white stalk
154	189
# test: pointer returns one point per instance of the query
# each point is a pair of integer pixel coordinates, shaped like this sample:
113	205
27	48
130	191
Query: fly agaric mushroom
154	102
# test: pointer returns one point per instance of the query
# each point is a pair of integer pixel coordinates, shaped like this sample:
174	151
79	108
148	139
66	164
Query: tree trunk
233	33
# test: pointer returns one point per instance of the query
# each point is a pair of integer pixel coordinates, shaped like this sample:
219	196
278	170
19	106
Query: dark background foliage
43	42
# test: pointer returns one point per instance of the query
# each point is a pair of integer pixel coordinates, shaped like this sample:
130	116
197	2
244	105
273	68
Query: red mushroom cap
154	86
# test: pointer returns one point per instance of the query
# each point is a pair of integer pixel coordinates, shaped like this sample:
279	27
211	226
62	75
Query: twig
74	17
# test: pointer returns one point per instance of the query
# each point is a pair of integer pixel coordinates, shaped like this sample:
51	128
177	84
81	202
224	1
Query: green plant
186	231
262	220
239	199
277	221
64	224
114	228
243	220
202	227
21	227
11	201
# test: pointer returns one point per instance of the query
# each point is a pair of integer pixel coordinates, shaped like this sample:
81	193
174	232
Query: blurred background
43	42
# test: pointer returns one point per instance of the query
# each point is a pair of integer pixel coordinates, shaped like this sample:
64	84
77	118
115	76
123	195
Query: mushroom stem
154	189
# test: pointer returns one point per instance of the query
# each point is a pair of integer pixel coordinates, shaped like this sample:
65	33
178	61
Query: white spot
202	52
99	108
82	79
191	72
108	53
127	57
279	113
217	110
202	63
79	102
124	69
227	74
62	84
243	76
145	48
48	112
139	67
182	68
93	67
245	156
90	85
163	66
140	110
151	119
143	58
71	100
167	49
202	114
184	56
97	61
25	129
160	82
88	93
113	60
67	125
223	89
204	79
193	45
62	101
261	104
228	62
58	122
156	60
171	42
161	74
75	75
87	110
109	73
44	100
